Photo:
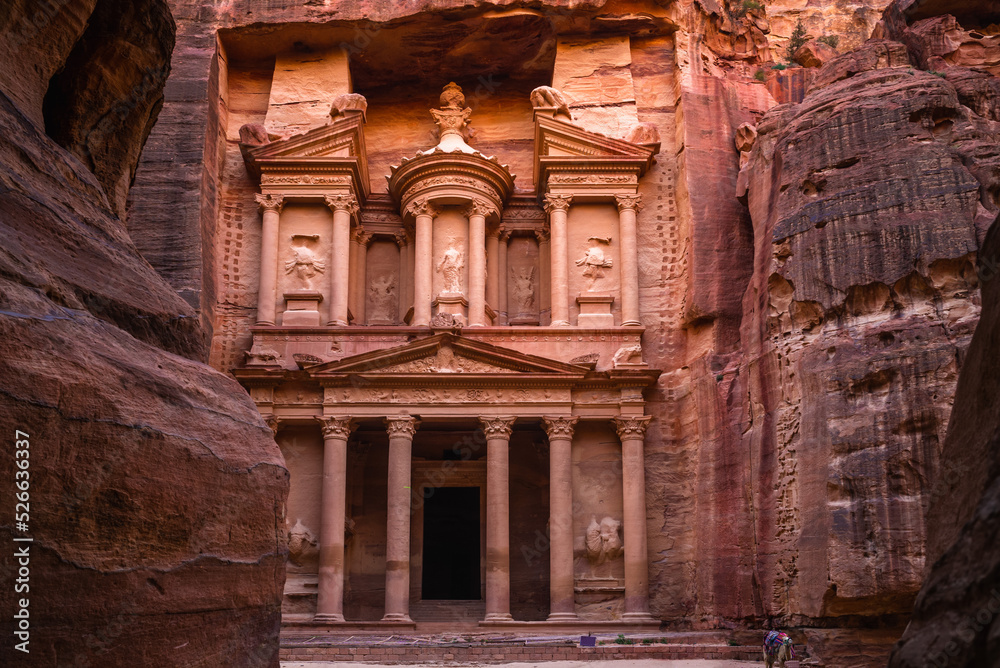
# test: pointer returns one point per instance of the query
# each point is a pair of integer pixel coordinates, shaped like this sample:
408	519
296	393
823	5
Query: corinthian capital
559	427
346	203
632	426
421	207
480	207
336	426
401	425
633	202
557	203
270	202
497	427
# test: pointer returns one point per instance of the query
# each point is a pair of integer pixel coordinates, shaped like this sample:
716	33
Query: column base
265	323
498	617
563	617
327	618
397	617
336	323
639	617
631	323
559	323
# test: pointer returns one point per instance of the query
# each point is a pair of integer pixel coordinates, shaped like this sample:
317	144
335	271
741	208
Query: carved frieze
594	179
304	180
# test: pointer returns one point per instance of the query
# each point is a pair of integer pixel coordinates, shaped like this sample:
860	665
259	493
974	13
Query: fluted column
557	206
562	605
477	213
330	604
544	275
502	270
267	293
497	517
628	207
397	550
360	239
493	271
404	271
344	207
423	272
632	432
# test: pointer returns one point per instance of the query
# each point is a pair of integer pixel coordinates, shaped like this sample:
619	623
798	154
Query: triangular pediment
559	143
446	355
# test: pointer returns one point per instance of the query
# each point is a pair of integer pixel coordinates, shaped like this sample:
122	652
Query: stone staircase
447	611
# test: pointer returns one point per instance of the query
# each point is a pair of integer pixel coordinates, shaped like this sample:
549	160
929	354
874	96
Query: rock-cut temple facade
454	370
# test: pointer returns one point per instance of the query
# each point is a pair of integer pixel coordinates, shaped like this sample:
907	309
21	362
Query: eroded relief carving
628	355
451	266
548	98
303	263
261	355
523	288
594	261
303	546
382	293
604	542
447	321
445	361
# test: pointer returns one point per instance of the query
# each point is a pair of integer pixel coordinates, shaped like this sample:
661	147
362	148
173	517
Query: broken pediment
446	354
571	152
317	157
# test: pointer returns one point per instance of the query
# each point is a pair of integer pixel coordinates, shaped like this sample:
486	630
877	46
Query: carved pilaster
346	203
497	427
633	202
542	235
336	427
270	202
557	203
632	427
401	425
560	427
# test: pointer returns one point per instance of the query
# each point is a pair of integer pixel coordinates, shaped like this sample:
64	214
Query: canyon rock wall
156	491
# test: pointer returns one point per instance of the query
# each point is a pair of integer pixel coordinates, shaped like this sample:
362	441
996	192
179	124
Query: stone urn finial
452	96
452	120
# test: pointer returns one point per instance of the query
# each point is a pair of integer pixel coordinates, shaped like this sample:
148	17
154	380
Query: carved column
628	207
423	273
477	213
632	432
397	550
404	270
330	605
502	270
497	517
557	206
359	273
267	294
493	271
544	276
344	207
561	599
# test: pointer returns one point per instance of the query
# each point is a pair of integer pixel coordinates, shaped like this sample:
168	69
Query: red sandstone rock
156	488
814	54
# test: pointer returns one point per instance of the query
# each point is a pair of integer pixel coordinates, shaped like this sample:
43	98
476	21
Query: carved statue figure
628	355
383	293
450	267
524	288
260	356
594	262
305	265
302	544
604	542
447	321
546	97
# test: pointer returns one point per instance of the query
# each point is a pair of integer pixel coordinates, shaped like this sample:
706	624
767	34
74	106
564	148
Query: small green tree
797	39
760	75
830	40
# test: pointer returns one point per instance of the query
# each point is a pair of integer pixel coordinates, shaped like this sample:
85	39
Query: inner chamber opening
451	544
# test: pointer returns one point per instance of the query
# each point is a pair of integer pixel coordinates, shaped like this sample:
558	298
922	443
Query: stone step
447	611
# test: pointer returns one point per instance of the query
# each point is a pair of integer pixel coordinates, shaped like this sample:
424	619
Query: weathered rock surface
869	203
156	489
814	54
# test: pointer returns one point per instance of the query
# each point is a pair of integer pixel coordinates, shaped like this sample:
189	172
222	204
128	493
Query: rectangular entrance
451	544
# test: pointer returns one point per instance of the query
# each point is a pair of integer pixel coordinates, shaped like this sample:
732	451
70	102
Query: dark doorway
451	544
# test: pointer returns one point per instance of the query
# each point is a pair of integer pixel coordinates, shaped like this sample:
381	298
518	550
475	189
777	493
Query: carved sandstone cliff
156	490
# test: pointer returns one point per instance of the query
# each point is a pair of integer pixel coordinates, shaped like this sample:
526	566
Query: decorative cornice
559	427
346	203
632	427
401	426
557	203
421	207
270	202
336	427
625	202
497	427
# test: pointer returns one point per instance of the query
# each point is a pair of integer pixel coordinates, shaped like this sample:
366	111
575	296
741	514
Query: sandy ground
644	663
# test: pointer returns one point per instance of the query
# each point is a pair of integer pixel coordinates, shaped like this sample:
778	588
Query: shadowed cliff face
156	490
